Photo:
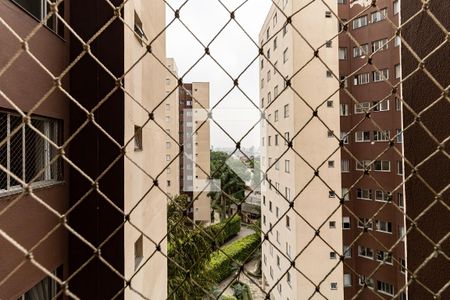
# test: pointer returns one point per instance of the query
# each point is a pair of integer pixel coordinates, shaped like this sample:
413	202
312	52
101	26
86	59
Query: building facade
372	167
296	148
106	188
195	137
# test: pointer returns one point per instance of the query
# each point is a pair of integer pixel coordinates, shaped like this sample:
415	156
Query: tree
231	173
189	250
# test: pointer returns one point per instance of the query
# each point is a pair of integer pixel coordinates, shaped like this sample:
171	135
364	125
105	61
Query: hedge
222	266
225	230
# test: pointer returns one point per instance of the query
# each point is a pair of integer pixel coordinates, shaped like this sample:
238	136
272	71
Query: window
397	71
397	41
168	157
47	288
40	8
364	194
275	91
275	67
330	133
328	43
328	14
288	278
363	165
138	27
402	265
365	252
346	223
380	45
138	251
285	55
343	80
360	22
288	222
330	103
398	104
268	33
278	241
344	137
400	201
341	1
331	164
274	20
168	182
25	153
361	51
276	141
382	165
363	280
345	165
378	15
286	110
278	259
345	194
268	76
269	143
399	167
262	64
262	102
362	136
332	224
331	194
383	226
381	105
275	116
286	137
381	136
333	285
399	135
284	30
362	107
329	74
270	205
396	7
381	196
384	256
279	288
287	193
347	280
275	44
385	288
332	255
262	82
269	98
342	53
365	223
343	110
287	166
380	75
347	250
268	53
168	145
361	79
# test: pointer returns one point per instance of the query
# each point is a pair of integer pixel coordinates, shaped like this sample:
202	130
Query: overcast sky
232	49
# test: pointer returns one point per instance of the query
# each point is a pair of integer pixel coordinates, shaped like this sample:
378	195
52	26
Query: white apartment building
291	176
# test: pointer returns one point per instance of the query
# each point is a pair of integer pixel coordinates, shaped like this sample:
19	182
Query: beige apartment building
293	85
171	124
195	136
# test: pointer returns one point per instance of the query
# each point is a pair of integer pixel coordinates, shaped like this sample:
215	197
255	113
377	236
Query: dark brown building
427	193
371	129
25	218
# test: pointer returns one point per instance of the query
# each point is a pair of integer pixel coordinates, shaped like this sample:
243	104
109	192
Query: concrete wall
145	203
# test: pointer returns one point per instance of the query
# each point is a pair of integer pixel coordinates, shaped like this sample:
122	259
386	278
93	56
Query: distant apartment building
194	133
106	187
370	119
295	202
171	124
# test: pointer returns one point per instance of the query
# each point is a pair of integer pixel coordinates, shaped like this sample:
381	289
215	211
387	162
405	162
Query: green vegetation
188	250
241	291
225	230
232	183
222	266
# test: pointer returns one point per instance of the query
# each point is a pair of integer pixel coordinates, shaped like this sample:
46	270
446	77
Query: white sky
232	49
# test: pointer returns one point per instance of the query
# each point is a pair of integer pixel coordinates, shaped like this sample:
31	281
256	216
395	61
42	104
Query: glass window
360	22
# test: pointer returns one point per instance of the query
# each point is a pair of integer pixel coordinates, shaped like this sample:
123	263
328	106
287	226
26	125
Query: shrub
222	266
225	230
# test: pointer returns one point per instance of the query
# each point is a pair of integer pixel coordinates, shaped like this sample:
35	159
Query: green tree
232	185
189	250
